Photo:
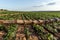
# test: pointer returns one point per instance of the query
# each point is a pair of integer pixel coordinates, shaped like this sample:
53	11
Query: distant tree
3	10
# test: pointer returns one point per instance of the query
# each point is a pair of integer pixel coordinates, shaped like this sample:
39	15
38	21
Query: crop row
43	24
27	16
31	21
44	31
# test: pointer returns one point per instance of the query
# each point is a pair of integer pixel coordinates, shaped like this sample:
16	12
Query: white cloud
43	6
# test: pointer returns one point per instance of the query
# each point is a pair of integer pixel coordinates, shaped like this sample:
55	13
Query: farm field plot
30	25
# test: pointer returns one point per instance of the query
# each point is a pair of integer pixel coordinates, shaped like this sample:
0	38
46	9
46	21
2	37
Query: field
15	25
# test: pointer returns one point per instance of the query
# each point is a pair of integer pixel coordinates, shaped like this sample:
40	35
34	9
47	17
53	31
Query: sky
30	5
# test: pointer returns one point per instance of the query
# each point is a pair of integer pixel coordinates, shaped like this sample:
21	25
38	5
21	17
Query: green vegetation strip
11	32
